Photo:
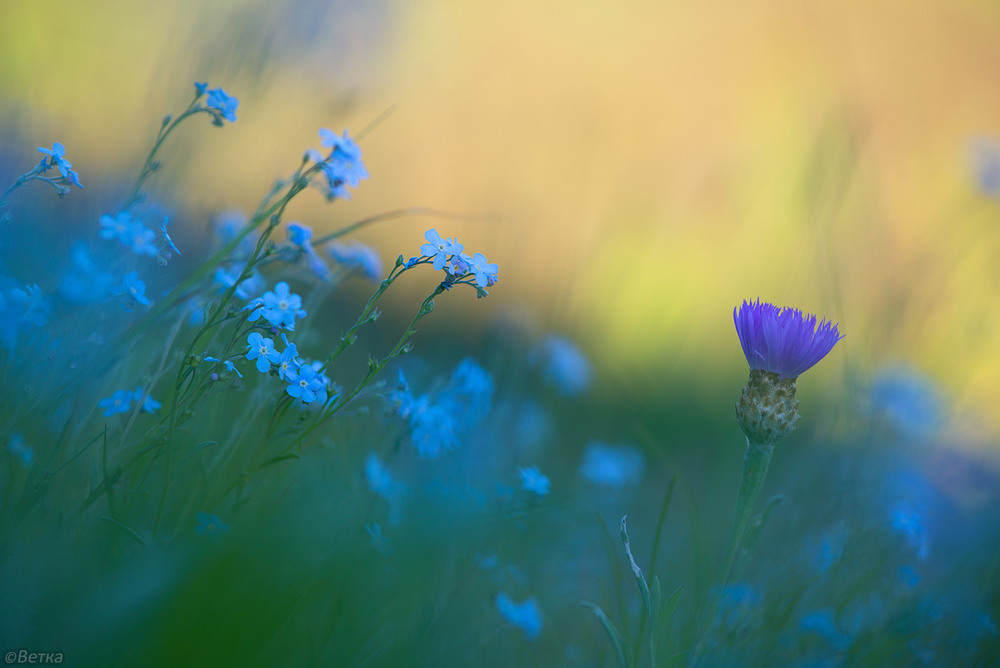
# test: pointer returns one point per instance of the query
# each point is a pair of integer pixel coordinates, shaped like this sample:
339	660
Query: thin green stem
755	465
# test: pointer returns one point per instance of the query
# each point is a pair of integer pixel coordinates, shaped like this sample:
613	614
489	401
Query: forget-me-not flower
119	402
526	616
533	480
438	248
262	350
210	526
359	257
280	307
612	466
224	103
20	451
563	364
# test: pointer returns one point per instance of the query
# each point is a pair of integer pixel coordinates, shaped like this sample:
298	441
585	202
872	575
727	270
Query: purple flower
782	340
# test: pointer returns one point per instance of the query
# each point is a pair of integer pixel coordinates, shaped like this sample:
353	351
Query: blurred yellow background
650	164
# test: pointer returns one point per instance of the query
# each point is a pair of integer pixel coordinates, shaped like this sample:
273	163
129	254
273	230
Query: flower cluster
343	165
134	235
300	237
305	380
459	267
121	402
438	420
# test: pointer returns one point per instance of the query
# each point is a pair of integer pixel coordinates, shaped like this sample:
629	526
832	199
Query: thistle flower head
779	344
782	340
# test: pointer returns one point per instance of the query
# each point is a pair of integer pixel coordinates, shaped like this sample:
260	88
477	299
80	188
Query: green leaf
616	637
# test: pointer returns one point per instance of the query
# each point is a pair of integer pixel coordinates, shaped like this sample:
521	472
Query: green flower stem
374	367
21	180
150	165
755	464
348	338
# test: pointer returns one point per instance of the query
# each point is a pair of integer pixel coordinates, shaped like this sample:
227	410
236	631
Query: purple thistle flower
782	340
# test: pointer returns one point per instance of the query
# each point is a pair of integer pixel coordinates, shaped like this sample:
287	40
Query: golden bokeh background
648	165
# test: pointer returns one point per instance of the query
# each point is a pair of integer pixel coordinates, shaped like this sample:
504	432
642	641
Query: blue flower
224	103
129	232
166	238
907	399
119	402
280	308
737	603
210	526
299	234
200	88
226	278
133	286
346	156
116	227
470	392
24	309
782	340
20	451
611	466
304	384
525	616
229	366
343	166
533	480
821	622
433	428
486	273
263	351
439	248
830	550
56	158
84	281
359	257
564	365
287	363
149	404
381	482
910	524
